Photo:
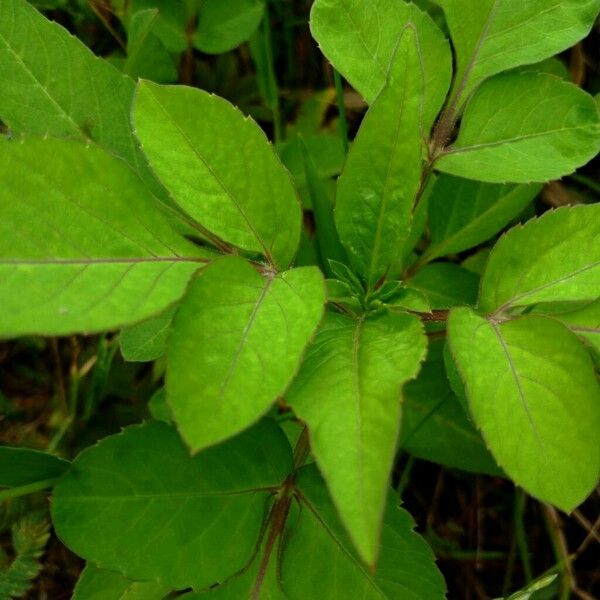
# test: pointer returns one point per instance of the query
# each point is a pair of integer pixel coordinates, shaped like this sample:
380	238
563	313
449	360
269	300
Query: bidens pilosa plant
163	211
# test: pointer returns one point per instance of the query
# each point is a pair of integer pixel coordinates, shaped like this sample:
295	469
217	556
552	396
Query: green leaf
220	168
147	340
22	466
170	27
146	55
533	392
434	425
382	174
69	91
100	584
158	407
138	503
348	392
224	25
491	36
405	569
465	213
237	341
83	246
524	127
554	258
445	285
360	38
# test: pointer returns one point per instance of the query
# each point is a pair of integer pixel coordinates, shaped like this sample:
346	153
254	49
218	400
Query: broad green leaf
220	168
434	425
138	503
382	174
147	340
22	466
445	285
170	27
464	213
146	54
533	392
158	407
360	37
524	127
316	557
349	393
69	92
100	584
83	245
319	560
224	25
554	258
490	36
237	341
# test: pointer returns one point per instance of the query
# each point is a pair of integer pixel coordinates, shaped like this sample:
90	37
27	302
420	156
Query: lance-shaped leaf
220	168
555	258
237	340
224	25
532	391
435	426
24	466
101	584
464	213
491	36
69	91
138	503
330	567
348	392
377	189
83	245
524	127
360	39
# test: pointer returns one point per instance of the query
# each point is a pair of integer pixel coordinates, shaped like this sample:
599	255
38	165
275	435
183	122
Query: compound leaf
360	39
524	127
83	245
490	36
220	168
516	374
349	393
379	183
237	341
138	503
554	258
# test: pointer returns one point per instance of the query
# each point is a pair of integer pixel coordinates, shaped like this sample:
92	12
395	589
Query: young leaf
464	213
22	466
138	503
515	374
84	247
348	392
237	340
377	188
491	36
69	91
360	37
445	284
220	168
147	340
100	584
434	425
555	258
524	127
406	567
224	25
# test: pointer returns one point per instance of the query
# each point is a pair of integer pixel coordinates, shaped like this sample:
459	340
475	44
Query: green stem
24	490
520	534
587	182
561	554
339	90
